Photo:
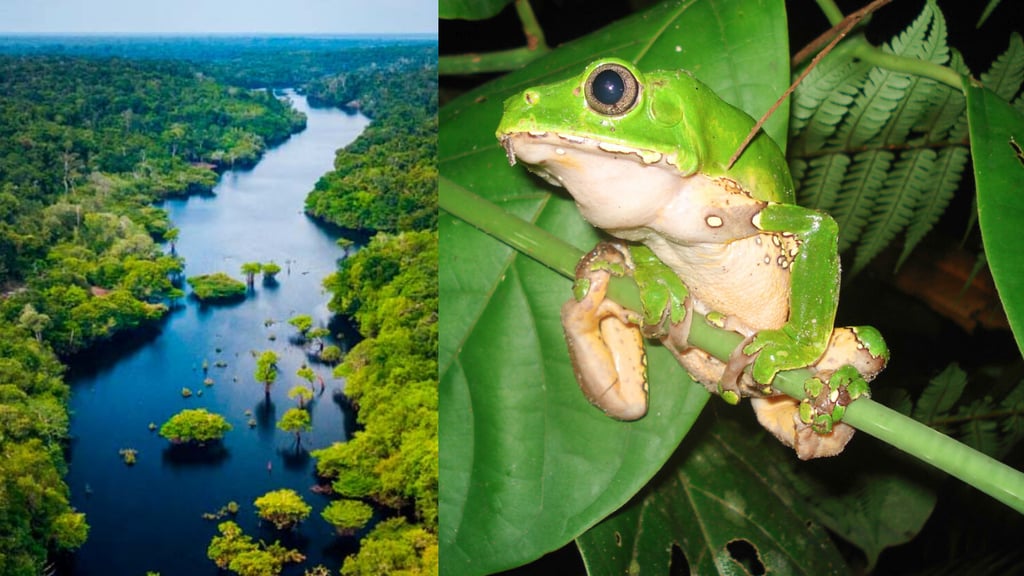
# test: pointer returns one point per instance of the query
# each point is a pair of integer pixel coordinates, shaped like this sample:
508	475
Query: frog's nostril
531	97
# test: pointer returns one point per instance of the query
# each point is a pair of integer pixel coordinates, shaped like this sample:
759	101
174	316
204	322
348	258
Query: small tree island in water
217	287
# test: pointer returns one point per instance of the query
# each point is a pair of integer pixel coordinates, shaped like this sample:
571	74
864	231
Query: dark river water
148	517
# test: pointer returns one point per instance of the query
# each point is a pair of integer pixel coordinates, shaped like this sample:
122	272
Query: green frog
645	156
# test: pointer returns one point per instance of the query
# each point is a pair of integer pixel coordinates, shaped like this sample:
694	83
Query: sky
218	16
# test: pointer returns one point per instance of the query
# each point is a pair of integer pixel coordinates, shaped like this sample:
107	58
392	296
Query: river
148	517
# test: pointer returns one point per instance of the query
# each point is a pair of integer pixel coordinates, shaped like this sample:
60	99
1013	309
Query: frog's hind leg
605	341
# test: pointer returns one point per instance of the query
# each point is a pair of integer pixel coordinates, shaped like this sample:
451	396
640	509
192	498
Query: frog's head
614	137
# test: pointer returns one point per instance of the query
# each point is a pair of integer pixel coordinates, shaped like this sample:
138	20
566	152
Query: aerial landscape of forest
218	263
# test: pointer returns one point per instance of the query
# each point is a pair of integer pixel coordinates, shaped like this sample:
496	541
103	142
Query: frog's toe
780	415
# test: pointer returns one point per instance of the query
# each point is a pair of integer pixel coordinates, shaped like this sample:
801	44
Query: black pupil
609	87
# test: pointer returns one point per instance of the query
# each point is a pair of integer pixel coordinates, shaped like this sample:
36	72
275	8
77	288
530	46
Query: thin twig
837	32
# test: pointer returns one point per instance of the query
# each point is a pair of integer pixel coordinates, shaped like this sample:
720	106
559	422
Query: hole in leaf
745	554
678	566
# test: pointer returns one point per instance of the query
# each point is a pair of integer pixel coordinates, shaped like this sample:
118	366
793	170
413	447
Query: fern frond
1007	72
823	99
947	171
899	197
858	194
884	91
941	394
947	109
821	179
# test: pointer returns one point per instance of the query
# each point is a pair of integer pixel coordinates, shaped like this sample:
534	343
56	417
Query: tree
33	320
347	516
251	269
318	334
270	270
196	425
307	374
300	393
394	547
234	550
331	354
284	508
302	323
266	369
297	421
216	286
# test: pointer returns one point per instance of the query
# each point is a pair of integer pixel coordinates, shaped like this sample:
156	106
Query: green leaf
727	502
526	463
470	9
997	131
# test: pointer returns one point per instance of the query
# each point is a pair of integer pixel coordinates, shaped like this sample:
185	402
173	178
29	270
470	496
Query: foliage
216	286
503	365
386	180
390	375
301	393
270	270
266	369
296	421
331	354
284	508
234	550
195	425
347	516
880	150
394	547
302	323
35	513
251	269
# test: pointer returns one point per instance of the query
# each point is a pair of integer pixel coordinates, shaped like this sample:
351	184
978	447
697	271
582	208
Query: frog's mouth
526	145
558	157
615	186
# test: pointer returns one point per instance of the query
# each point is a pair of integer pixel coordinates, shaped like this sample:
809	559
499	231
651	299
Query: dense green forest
86	147
386	182
88	143
387	179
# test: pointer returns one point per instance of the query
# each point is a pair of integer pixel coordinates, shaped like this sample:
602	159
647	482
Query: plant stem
955	458
877	57
504	60
863	49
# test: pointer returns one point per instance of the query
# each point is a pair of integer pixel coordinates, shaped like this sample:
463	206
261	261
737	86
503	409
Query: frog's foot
813	426
605	343
780	415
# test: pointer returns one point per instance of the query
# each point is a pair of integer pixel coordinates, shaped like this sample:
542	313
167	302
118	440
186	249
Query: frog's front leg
606	346
813	426
813	262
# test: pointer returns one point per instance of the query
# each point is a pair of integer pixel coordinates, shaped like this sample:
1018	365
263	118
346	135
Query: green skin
680	120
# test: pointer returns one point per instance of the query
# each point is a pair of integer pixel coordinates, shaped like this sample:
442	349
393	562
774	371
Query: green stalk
503	60
955	458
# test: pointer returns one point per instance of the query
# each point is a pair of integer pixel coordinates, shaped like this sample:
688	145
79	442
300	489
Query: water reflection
212	453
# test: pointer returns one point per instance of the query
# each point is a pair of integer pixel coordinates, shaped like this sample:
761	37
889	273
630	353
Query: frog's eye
611	89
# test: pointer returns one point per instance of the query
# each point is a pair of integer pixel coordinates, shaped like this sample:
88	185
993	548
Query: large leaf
725	502
470	9
526	463
734	501
997	150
